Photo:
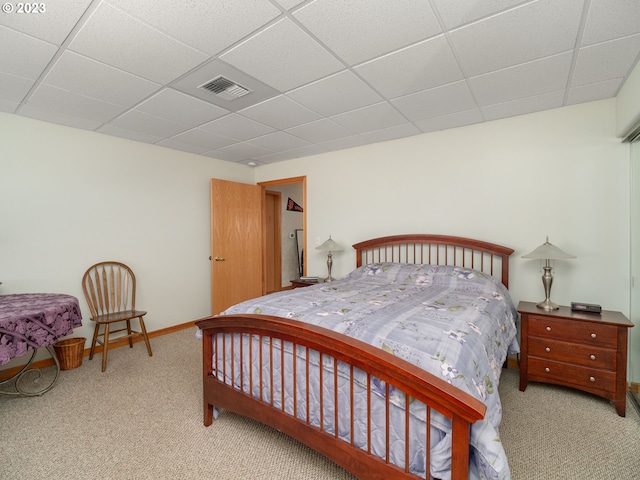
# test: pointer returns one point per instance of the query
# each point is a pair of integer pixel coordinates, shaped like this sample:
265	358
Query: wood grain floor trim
47	362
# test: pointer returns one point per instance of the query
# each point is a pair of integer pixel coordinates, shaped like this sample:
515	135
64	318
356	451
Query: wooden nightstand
298	282
585	351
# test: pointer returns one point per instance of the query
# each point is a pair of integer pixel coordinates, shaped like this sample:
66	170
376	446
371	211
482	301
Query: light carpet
142	419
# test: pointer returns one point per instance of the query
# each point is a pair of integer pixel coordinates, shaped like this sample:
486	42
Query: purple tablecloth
32	320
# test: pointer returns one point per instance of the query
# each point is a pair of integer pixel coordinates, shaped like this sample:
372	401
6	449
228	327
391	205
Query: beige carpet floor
142	419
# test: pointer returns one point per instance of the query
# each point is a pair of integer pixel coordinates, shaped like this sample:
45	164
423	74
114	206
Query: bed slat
409	380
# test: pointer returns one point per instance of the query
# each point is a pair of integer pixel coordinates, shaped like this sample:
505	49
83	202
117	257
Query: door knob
219	259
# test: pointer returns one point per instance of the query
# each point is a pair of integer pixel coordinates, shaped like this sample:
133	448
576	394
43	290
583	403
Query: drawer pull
548	329
593	335
547	349
592	357
547	369
592	379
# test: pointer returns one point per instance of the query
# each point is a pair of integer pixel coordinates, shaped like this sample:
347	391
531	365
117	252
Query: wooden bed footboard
407	382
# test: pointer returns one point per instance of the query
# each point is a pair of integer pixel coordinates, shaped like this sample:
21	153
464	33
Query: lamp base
329	279
548	305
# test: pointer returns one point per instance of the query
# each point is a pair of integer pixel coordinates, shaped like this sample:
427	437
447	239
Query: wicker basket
69	352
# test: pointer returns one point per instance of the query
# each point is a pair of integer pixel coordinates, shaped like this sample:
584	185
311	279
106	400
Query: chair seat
119	316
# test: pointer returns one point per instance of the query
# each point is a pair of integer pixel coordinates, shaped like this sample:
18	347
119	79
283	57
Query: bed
391	371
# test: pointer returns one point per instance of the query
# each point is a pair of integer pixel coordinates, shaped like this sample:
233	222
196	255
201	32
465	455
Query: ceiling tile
593	91
613	59
452	98
458	12
521	106
344	143
320	131
149	124
283	56
278	141
210	26
54	24
69	103
609	19
412	69
289	4
392	133
534	30
291	154
109	35
322	74
181	108
237	127
97	80
374	117
7	106
226	156
525	80
202	138
338	93
360	30
280	112
23	55
14	88
244	150
454	120
59	118
116	131
185	147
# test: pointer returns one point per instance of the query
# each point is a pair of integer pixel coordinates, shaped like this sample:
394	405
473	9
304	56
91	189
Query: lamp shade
548	251
329	246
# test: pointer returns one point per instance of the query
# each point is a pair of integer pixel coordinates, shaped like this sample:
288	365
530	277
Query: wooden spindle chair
110	291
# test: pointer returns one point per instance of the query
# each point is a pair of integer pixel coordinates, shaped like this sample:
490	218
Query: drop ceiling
323	75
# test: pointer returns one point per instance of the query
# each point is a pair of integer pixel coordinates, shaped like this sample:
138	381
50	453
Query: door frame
285	181
277	241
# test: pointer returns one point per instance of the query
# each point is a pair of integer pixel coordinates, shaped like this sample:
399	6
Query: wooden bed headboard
437	250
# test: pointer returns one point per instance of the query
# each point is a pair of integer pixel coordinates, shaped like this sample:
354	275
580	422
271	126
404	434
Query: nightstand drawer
572	331
587	355
572	375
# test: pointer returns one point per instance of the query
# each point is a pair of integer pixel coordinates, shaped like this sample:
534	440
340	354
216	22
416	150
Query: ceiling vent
226	89
212	83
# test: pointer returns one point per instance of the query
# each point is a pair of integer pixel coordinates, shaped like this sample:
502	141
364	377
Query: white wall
561	173
70	198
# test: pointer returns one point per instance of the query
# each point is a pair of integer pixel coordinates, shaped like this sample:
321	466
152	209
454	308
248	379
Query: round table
29	321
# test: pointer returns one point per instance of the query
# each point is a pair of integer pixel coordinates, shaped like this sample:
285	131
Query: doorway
238	243
292	221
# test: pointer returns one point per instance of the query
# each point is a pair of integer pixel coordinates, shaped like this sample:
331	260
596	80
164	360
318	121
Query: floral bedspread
454	322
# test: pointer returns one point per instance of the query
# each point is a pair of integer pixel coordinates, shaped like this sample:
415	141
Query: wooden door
273	254
237	243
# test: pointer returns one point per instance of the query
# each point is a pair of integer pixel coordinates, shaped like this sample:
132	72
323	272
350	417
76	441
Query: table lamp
329	246
548	252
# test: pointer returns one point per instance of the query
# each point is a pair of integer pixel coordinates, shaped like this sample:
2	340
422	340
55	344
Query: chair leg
129	333
96	331
105	347
146	337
